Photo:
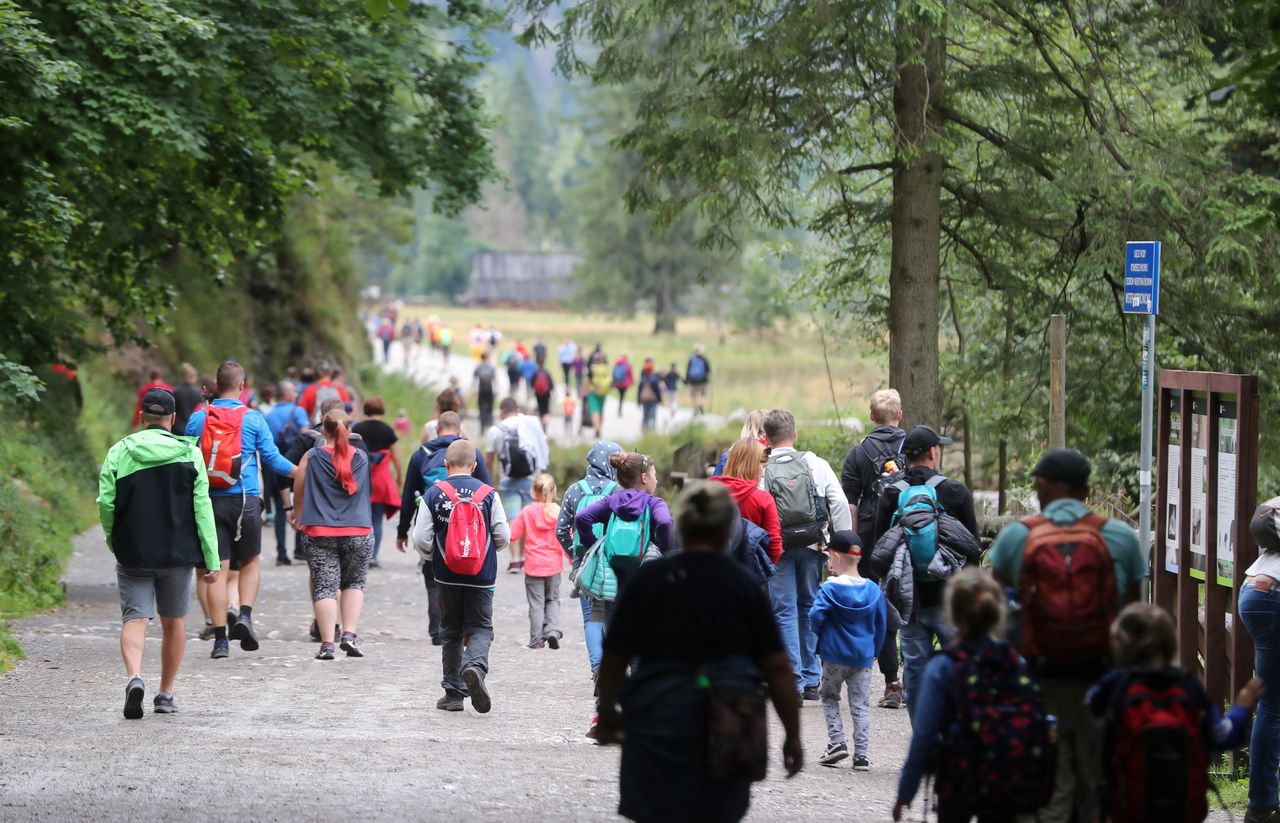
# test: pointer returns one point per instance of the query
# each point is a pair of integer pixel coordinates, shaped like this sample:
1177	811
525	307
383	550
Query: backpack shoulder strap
1034	520
447	489
584	486
481	494
1093	522
935	481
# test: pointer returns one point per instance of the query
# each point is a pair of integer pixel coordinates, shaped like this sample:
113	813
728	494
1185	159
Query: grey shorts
143	592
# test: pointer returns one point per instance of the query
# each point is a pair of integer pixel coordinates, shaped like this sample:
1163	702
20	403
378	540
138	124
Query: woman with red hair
331	507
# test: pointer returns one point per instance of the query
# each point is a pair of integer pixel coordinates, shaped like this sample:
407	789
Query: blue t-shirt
255	439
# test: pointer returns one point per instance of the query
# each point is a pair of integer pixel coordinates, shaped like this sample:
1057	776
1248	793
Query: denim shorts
143	592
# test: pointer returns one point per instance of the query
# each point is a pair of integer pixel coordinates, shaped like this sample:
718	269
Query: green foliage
137	136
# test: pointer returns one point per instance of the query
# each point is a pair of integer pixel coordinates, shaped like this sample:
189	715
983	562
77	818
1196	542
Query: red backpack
466	542
1067	587
542	383
220	442
1155	746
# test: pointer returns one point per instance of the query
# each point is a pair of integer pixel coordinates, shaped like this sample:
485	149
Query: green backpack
589	497
802	513
626	541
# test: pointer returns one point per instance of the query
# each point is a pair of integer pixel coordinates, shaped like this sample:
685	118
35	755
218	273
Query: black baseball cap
845	542
922	438
1064	466
158	402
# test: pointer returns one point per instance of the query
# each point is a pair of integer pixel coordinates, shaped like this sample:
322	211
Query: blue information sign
1142	277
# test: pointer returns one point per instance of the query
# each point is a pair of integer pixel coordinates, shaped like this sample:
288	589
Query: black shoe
243	631
861	764
164	705
133	699
326	652
810	693
834	754
221	650
283	560
351	645
315	632
437	641
553	641
474	678
1262	815
450	703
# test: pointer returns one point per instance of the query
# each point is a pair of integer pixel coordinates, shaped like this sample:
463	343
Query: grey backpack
801	512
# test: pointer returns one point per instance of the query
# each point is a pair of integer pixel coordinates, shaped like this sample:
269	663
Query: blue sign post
1142	296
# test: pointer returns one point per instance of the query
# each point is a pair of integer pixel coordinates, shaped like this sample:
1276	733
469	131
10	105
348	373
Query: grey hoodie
599	475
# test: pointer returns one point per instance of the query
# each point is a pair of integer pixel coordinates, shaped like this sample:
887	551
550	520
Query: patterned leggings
338	562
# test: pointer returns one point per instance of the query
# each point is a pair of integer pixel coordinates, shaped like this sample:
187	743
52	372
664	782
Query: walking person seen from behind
235	440
1159	726
706	651
810	505
519	446
979	725
535	528
153	502
849	619
870	469
924	490
460	529
331	506
697	373
1067	609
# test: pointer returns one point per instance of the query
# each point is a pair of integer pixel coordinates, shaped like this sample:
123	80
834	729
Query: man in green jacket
153	500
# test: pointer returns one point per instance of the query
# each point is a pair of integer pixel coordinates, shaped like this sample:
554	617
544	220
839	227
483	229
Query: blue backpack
697	369
433	468
626	541
917	513
588	497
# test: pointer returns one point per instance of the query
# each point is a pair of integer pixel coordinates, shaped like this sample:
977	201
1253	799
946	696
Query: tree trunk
664	303
916	223
1006	376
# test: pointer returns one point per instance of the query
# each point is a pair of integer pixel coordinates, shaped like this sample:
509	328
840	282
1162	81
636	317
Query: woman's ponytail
335	428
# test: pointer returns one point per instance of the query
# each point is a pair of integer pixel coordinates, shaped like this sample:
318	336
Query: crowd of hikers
1036	681
569	381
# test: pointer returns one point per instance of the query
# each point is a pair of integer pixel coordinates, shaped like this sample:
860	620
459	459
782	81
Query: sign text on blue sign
1142	277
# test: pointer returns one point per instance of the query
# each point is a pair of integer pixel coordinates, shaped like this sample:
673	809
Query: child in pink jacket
544	562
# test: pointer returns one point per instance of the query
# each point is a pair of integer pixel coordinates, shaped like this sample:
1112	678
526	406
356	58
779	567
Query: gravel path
276	735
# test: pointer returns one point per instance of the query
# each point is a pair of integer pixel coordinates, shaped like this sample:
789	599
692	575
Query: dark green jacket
153	500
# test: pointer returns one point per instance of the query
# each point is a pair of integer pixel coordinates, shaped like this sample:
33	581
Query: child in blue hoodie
849	618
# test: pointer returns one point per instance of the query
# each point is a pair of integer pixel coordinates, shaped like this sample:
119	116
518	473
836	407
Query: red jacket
756	505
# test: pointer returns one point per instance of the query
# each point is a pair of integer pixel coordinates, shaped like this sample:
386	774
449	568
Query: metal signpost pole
1142	296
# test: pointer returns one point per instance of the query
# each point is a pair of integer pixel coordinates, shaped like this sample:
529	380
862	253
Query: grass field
784	368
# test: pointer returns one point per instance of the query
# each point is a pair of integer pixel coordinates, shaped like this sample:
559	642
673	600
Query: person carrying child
543	562
461	527
1159	727
849	617
980	726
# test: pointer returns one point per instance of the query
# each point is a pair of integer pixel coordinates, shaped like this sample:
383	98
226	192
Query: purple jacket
628	504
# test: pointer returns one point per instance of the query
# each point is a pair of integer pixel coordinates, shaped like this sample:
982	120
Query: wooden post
1057	381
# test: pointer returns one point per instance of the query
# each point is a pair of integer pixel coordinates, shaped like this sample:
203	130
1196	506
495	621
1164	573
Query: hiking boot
207	632
326	652
591	730
221	650
553	641
536	643
164	704
450	703
315	632
243	631
892	696
1271	815
351	644
133	693
283	560
861	764
834	754
437	641
474	678
810	693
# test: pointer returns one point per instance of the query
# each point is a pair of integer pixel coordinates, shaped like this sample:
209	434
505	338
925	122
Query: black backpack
515	460
890	468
